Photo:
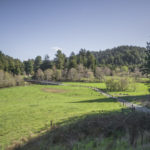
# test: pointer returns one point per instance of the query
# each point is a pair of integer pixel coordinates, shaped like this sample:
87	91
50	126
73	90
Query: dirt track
124	102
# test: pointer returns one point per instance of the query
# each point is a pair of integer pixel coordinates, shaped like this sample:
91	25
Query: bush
8	80
120	84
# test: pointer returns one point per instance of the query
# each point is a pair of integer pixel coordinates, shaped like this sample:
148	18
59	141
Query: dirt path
124	102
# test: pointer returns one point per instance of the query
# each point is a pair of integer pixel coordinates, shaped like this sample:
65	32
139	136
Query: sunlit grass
100	85
140	95
26	110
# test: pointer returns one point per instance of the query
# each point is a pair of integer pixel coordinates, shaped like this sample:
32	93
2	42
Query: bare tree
107	71
81	71
89	75
73	74
58	75
39	75
99	73
48	74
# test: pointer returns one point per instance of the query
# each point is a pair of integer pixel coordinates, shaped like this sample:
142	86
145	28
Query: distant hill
122	55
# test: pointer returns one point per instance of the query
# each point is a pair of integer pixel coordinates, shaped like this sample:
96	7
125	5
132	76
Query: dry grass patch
51	90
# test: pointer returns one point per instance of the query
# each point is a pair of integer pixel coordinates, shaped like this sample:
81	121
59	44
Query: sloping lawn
30	109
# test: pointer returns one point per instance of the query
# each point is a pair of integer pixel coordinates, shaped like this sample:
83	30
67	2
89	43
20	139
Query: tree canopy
146	67
124	57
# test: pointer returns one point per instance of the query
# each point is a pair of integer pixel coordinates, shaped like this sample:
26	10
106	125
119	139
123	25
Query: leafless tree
48	74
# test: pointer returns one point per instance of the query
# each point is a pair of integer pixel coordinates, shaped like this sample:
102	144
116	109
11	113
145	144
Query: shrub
7	79
120	84
19	80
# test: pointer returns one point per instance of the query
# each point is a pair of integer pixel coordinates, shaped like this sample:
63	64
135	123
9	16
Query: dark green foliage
11	65
60	60
29	66
72	60
82	59
121	56
90	60
87	59
46	63
146	67
116	60
37	63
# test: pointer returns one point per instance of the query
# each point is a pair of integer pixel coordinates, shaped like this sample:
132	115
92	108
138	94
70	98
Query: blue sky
37	27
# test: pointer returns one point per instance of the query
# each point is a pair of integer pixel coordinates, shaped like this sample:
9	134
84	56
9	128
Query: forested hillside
121	56
85	61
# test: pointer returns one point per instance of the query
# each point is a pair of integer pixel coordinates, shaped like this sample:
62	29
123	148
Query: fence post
51	124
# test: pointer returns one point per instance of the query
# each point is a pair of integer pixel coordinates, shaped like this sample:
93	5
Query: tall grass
114	130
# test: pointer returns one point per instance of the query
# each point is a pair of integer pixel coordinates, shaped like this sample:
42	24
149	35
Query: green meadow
139	96
28	110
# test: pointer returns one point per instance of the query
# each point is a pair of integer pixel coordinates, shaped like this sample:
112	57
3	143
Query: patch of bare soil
51	90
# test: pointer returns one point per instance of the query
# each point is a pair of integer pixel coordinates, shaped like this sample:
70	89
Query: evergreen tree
91	62
82	57
146	66
46	63
37	63
72	60
60	60
29	66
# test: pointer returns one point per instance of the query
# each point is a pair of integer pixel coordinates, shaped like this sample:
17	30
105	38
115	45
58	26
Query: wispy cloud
55	48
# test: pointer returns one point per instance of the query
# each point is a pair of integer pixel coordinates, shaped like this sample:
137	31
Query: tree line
85	64
9	64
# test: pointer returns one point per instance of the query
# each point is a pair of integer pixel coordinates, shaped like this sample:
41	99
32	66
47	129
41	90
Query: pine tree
29	66
60	60
72	60
46	63
146	66
37	63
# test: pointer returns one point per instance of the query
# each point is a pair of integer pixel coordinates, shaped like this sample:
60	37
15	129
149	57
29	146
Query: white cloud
56	48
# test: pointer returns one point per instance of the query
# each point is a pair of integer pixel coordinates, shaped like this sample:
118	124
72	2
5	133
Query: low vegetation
120	84
8	80
113	130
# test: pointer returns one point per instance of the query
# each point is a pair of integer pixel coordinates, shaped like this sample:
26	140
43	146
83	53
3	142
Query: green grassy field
141	95
27	110
100	85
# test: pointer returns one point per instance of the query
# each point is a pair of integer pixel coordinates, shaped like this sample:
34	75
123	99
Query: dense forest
10	64
121	56
85	64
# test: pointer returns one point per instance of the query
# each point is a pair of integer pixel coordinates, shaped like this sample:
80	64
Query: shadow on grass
143	100
100	100
148	85
139	98
107	124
